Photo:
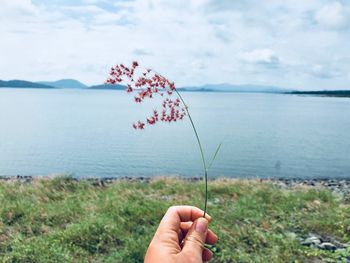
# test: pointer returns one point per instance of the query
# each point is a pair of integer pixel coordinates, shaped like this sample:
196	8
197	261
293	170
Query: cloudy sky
291	44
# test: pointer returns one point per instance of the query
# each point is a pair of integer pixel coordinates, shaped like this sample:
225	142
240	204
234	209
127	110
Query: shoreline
338	185
284	218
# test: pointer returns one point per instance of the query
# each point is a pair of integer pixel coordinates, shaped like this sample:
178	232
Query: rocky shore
340	186
324	243
336	185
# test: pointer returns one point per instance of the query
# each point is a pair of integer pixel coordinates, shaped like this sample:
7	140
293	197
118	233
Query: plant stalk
201	151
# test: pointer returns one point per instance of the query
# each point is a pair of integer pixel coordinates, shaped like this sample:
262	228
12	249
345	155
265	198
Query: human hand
181	236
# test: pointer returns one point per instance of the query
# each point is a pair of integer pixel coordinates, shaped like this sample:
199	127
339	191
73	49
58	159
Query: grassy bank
63	220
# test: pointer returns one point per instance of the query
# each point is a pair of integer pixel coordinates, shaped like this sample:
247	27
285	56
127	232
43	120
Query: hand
180	237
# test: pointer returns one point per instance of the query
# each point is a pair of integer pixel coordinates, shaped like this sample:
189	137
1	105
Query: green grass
62	220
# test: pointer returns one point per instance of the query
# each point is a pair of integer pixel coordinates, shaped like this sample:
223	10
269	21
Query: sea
88	133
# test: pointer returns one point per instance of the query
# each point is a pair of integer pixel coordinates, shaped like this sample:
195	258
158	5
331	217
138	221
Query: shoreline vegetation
324	93
339	185
65	219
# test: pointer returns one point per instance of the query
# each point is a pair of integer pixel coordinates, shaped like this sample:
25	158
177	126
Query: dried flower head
147	85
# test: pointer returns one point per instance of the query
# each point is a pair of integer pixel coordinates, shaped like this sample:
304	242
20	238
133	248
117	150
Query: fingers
211	239
181	235
187	224
187	213
177	214
195	238
207	254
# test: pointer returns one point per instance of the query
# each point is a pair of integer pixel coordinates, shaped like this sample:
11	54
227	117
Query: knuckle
172	208
195	239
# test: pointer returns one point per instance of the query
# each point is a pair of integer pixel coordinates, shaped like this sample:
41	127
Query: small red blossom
129	89
151	120
147	85
135	64
139	125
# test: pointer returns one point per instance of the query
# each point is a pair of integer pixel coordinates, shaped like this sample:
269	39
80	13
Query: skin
181	236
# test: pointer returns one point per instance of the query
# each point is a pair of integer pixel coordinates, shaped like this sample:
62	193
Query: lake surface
89	133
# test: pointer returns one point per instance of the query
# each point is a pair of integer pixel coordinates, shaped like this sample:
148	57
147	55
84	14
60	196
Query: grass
63	220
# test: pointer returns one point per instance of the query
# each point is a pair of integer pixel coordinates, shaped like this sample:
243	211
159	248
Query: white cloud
85	10
325	71
294	44
261	56
15	7
333	15
141	52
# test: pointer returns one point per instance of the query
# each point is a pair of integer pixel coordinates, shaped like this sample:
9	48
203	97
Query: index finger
177	214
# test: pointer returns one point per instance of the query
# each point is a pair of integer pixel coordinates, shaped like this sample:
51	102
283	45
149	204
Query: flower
149	84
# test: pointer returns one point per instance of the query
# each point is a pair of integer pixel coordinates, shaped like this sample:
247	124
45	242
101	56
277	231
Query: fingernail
208	217
201	225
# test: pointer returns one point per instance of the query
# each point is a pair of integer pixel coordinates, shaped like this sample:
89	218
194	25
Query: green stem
201	151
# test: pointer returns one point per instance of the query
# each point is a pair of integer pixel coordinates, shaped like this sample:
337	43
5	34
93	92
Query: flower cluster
148	84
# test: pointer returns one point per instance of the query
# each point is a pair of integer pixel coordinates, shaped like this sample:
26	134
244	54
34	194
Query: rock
216	201
311	241
327	246
340	245
311	183
167	197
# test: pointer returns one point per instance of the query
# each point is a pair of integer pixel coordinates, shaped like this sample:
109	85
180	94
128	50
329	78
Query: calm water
89	133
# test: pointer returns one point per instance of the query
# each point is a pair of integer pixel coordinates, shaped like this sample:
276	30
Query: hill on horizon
225	87
23	84
75	84
108	87
65	84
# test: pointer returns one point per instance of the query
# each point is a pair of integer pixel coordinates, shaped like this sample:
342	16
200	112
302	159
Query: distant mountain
75	84
23	84
108	86
327	93
65	84
235	88
210	88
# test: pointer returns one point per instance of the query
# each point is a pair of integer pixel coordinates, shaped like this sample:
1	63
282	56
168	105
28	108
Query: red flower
129	89
147	86
139	125
135	64
151	120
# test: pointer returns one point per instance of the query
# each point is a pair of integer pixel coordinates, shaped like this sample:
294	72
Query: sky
291	44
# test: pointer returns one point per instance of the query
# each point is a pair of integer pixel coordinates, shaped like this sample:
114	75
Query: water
89	133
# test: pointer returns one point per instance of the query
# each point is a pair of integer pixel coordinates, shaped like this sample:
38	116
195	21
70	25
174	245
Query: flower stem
201	151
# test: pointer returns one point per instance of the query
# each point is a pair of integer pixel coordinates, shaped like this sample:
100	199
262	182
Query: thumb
195	238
